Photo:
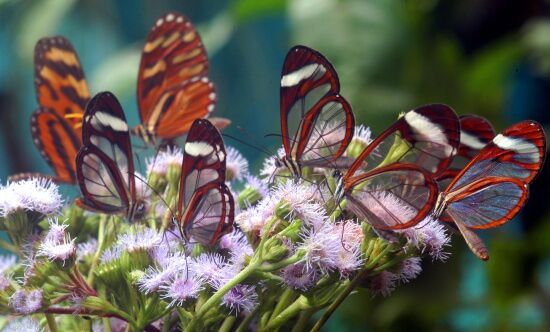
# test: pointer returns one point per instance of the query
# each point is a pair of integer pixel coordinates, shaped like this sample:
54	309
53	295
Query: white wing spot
428	130
210	108
105	119
518	145
170	17
212	96
179	19
294	78
471	141
160	21
196	149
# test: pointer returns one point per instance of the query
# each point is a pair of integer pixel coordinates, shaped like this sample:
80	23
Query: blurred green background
489	57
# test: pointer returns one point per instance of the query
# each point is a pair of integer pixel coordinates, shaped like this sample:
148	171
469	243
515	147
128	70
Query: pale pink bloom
236	164
20	324
299	277
26	301
430	236
383	283
241	298
159	164
409	269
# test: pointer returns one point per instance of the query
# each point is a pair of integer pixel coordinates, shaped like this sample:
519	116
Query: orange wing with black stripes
62	94
173	88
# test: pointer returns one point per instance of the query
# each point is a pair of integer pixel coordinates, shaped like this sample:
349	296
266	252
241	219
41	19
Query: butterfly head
144	134
137	210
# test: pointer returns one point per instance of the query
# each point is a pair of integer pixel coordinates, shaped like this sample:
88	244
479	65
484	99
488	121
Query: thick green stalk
228	323
285	299
52	325
100	243
291	311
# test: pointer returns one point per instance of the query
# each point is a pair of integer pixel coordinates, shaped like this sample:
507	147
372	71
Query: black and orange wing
59	80
173	88
317	123
57	142
205	204
62	94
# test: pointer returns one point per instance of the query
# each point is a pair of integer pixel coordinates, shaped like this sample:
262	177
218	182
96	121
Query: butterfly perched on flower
493	187
62	94
317	123
205	207
173	88
391	184
105	165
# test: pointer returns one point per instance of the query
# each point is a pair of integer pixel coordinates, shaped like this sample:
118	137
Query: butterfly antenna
260	149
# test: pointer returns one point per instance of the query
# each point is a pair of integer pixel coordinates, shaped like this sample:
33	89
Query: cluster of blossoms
292	252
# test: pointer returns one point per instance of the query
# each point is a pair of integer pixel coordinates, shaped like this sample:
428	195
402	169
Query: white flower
236	164
159	164
37	194
181	287
409	269
7	262
20	324
85	249
241	298
363	134
26	301
430	236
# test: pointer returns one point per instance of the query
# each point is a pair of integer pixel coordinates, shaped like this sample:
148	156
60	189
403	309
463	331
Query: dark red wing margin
431	133
475	133
205	204
172	82
307	80
518	152
59	80
105	167
57	142
391	197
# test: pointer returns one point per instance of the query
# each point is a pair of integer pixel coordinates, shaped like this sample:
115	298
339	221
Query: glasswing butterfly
493	187
391	184
317	123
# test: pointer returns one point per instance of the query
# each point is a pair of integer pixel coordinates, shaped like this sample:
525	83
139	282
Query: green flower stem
339	207
228	323
264	319
106	324
268	276
389	264
291	311
382	253
52	325
341	297
286	298
100	243
281	264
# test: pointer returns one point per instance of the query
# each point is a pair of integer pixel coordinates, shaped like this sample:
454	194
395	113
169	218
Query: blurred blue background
489	57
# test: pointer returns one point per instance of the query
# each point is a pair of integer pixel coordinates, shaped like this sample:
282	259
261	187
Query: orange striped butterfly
493	187
173	87
62	95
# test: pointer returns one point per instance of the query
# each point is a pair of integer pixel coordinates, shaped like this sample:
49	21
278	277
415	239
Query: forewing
427	136
487	203
307	80
210	213
108	151
203	164
391	197
172	81
59	80
57	142
518	152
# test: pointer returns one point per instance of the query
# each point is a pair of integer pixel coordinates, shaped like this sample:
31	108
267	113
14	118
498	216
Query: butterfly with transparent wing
391	184
173	87
317	123
493	187
205	207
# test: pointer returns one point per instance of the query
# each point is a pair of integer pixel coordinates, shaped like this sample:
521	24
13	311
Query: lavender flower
430	236
409	269
110	254
57	244
238	247
236	164
209	267
139	240
86	249
180	288
26	301
21	324
321	247
241	298
383	283
159	164
4	282
299	277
